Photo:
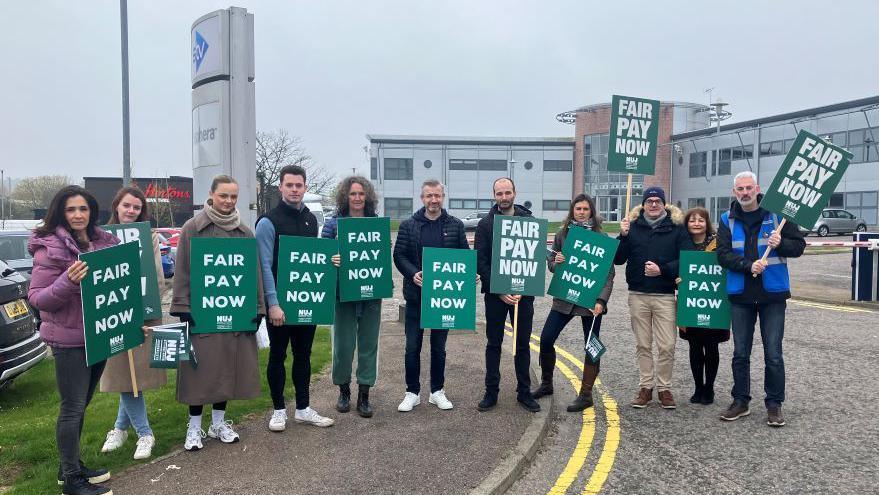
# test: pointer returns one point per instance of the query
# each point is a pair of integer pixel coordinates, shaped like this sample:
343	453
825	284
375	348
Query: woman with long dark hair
581	215
704	342
129	206
356	323
68	229
228	365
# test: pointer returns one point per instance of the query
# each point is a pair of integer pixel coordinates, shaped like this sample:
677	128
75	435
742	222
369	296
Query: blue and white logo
199	50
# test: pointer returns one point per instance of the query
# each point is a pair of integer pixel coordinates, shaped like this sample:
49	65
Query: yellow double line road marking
587	432
832	307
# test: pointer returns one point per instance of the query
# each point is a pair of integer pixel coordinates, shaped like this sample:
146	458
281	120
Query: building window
486	204
458	164
698	164
556	204
836	201
607	187
694	202
398	169
428	163
398	208
862	145
719	206
492	165
863	205
373	168
469	164
772	148
558	165
529	165
724	164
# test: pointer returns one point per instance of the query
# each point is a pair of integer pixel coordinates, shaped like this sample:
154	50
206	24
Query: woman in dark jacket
704	354
69	228
581	214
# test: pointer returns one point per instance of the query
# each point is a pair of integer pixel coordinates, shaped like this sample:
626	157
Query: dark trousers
744	317
414	340
496	312
76	386
704	362
300	338
197	410
556	322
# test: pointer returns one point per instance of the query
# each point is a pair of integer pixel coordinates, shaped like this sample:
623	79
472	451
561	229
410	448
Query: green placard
807	178
588	258
634	130
365	251
168	344
140	232
307	280
594	348
702	299
111	301
448	293
223	282
518	255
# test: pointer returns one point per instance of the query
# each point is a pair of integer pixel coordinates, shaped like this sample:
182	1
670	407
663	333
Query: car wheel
823	231
861	228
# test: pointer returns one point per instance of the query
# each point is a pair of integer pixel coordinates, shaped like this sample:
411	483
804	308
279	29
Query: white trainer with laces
223	431
410	400
278	421
310	416
115	439
439	399
193	438
144	447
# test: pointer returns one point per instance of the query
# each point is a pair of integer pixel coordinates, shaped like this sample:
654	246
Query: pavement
423	451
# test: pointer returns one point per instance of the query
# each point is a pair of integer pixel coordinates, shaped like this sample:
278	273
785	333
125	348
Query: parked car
472	219
836	221
13	250
167	261
20	344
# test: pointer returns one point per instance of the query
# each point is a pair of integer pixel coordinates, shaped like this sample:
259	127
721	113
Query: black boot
78	485
344	403
547	363
363	407
584	398
698	394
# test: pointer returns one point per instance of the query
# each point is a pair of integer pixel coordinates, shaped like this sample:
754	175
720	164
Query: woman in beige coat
129	206
228	366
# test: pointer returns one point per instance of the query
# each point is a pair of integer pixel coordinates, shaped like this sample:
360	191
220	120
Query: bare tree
37	192
274	151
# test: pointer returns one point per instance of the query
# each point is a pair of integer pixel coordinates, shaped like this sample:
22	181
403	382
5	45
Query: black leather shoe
528	402
78	485
91	475
343	405
487	402
363	407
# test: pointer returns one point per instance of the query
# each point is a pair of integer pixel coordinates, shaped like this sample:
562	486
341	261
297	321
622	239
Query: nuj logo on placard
305	315
366	290
790	208
224	322
448	321
117	343
632	162
703	319
517	284
573	294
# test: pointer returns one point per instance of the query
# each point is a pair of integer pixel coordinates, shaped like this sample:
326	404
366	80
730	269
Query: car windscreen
14	247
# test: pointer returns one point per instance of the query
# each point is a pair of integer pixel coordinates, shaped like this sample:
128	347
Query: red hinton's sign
169	192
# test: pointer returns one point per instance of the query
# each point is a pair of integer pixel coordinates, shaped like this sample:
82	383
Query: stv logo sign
199	51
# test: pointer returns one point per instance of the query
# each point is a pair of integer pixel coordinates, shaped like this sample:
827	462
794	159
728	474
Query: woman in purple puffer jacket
69	228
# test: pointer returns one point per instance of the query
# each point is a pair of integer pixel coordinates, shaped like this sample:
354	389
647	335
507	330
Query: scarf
586	225
226	222
653	223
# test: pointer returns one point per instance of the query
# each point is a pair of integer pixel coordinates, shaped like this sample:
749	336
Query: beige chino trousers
653	319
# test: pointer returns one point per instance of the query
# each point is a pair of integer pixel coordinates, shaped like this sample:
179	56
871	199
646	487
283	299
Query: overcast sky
333	71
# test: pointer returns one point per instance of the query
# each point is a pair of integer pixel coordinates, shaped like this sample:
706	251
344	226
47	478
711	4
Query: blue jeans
556	322
414	339
132	412
744	317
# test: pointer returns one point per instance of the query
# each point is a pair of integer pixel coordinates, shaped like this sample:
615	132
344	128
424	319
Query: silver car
837	221
472	219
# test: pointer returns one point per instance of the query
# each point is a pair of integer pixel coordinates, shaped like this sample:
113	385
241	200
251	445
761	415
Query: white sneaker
278	421
224	432
144	447
115	439
410	400
310	416
439	399
193	438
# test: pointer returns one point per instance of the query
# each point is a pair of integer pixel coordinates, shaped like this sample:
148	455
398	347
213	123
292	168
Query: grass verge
29	408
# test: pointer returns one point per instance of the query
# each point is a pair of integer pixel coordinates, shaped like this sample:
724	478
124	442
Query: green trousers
357	326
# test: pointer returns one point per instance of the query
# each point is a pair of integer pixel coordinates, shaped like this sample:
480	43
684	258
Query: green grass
29	408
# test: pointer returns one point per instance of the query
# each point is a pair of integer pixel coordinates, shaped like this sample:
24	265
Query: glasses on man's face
653	202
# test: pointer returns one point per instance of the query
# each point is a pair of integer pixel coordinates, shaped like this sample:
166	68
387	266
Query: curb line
854	304
507	472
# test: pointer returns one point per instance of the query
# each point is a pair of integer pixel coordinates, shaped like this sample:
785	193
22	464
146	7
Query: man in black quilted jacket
430	226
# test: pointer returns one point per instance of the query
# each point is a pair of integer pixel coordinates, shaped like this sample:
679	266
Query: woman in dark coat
228	365
581	215
704	353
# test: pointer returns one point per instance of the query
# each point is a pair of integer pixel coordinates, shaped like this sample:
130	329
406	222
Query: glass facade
608	188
